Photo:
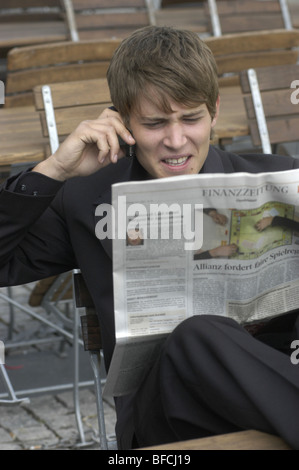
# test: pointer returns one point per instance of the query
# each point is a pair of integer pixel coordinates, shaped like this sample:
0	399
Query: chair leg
95	360
77	379
10	390
11	315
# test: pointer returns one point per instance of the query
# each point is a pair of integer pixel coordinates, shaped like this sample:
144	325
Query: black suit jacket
43	233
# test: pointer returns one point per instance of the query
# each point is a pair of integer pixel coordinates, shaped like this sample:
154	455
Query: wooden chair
235	16
91	19
69	104
220	17
30	66
272	104
237	52
192	16
240	51
25	22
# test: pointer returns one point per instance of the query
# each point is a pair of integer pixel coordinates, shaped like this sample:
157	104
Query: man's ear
214	120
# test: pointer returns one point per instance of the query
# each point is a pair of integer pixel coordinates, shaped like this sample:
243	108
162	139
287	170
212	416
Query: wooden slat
244	440
20	18
5	4
86	4
28	79
21	136
193	19
283	77
23	34
106	20
235	7
62	52
253	41
237	52
280	131
250	22
77	93
276	103
238	62
104	33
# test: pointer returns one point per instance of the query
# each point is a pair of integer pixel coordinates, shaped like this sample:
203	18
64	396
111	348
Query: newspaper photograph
199	244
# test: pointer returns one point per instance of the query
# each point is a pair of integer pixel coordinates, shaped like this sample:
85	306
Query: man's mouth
178	161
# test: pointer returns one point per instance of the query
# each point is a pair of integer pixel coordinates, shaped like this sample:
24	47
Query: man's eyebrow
164	118
194	113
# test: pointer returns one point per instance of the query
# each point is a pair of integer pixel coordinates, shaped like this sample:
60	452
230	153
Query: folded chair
271	102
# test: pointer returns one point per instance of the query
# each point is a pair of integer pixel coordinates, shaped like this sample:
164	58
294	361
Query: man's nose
175	137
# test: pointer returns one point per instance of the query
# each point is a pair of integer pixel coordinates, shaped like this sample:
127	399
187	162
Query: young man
212	376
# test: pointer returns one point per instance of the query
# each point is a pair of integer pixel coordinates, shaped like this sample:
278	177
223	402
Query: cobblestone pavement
48	421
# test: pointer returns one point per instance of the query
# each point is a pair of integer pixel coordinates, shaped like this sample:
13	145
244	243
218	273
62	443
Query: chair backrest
235	16
72	103
24	22
220	17
270	97
50	63
240	51
92	19
192	16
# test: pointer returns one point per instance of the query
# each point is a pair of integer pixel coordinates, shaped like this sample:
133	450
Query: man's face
172	144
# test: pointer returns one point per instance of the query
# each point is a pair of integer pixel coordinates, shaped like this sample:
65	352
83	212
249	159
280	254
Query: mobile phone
129	149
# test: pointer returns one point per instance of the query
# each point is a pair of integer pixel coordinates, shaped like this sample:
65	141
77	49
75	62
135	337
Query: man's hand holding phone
91	146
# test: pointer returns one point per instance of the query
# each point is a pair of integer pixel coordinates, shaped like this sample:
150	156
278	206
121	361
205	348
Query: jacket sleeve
34	241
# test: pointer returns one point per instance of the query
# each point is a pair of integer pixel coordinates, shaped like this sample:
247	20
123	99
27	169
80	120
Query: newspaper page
199	244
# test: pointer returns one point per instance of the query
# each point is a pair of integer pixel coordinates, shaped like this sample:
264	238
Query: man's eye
153	124
196	119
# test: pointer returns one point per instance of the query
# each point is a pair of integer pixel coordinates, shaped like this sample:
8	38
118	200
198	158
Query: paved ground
49	420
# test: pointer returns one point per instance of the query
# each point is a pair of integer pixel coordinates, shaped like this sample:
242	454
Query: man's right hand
91	146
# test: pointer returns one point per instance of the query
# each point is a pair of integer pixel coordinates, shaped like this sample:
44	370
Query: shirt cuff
32	183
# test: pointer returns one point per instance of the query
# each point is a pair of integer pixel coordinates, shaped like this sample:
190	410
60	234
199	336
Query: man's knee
203	325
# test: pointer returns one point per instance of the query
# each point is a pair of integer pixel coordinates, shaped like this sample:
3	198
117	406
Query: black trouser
213	377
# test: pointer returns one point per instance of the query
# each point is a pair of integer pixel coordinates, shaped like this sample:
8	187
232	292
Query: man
212	376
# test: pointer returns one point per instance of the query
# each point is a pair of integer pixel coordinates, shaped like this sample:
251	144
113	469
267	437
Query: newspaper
219	244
